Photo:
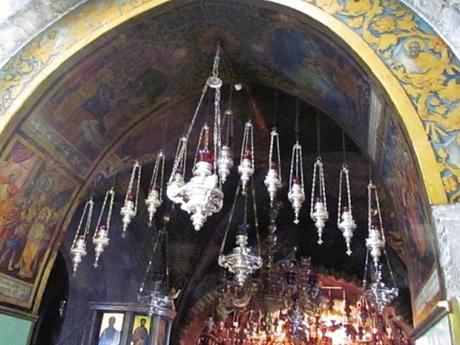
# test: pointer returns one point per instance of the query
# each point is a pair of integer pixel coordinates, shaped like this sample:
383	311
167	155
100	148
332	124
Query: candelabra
296	194
101	232
318	208
129	209
273	179
345	220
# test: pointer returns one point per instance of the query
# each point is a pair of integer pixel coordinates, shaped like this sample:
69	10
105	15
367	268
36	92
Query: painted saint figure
110	335
141	334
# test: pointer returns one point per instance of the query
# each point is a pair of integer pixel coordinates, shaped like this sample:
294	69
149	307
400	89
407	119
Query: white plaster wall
21	20
443	16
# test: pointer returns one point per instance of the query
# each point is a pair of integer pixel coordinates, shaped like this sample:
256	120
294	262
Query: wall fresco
33	198
399	173
421	61
425	67
86	110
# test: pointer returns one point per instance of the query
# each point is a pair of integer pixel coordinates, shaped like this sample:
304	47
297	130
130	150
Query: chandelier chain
230	218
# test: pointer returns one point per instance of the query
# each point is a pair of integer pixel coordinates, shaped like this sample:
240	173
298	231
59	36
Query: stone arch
418	91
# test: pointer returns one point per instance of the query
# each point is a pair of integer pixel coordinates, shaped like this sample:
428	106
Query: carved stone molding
447	224
443	16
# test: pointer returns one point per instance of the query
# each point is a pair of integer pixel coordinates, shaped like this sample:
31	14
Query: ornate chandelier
202	196
242	261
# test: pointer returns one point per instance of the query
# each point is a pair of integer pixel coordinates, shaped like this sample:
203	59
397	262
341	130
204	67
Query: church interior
230	172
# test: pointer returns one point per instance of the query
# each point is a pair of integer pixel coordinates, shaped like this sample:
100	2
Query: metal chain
323	186
280	176
313	185
89	217
291	169
217	127
318	136
109	214
230	218
256	219
365	270
101	213
85	210
137	187
382	232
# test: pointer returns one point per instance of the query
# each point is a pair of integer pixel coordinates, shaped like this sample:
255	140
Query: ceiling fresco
116	101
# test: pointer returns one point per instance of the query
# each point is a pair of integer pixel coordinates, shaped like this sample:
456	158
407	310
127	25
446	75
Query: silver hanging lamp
246	166
155	195
345	220
296	193
202	196
318	205
273	180
101	232
129	208
78	247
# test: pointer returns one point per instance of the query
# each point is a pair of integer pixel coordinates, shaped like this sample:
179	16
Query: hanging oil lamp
318	208
242	261
273	179
246	167
345	220
296	194
375	240
377	292
225	160
155	196
176	181
203	195
78	247
129	209
101	233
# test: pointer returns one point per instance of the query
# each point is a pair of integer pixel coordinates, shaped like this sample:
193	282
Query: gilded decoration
423	64
71	123
416	56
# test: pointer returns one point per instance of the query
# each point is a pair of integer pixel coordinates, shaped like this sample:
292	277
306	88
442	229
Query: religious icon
141	329
110	332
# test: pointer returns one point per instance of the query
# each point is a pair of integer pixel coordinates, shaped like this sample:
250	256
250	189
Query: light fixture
101	232
78	247
296	194
318	205
225	160
273	179
242	261
247	166
202	196
155	195
376	291
129	209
